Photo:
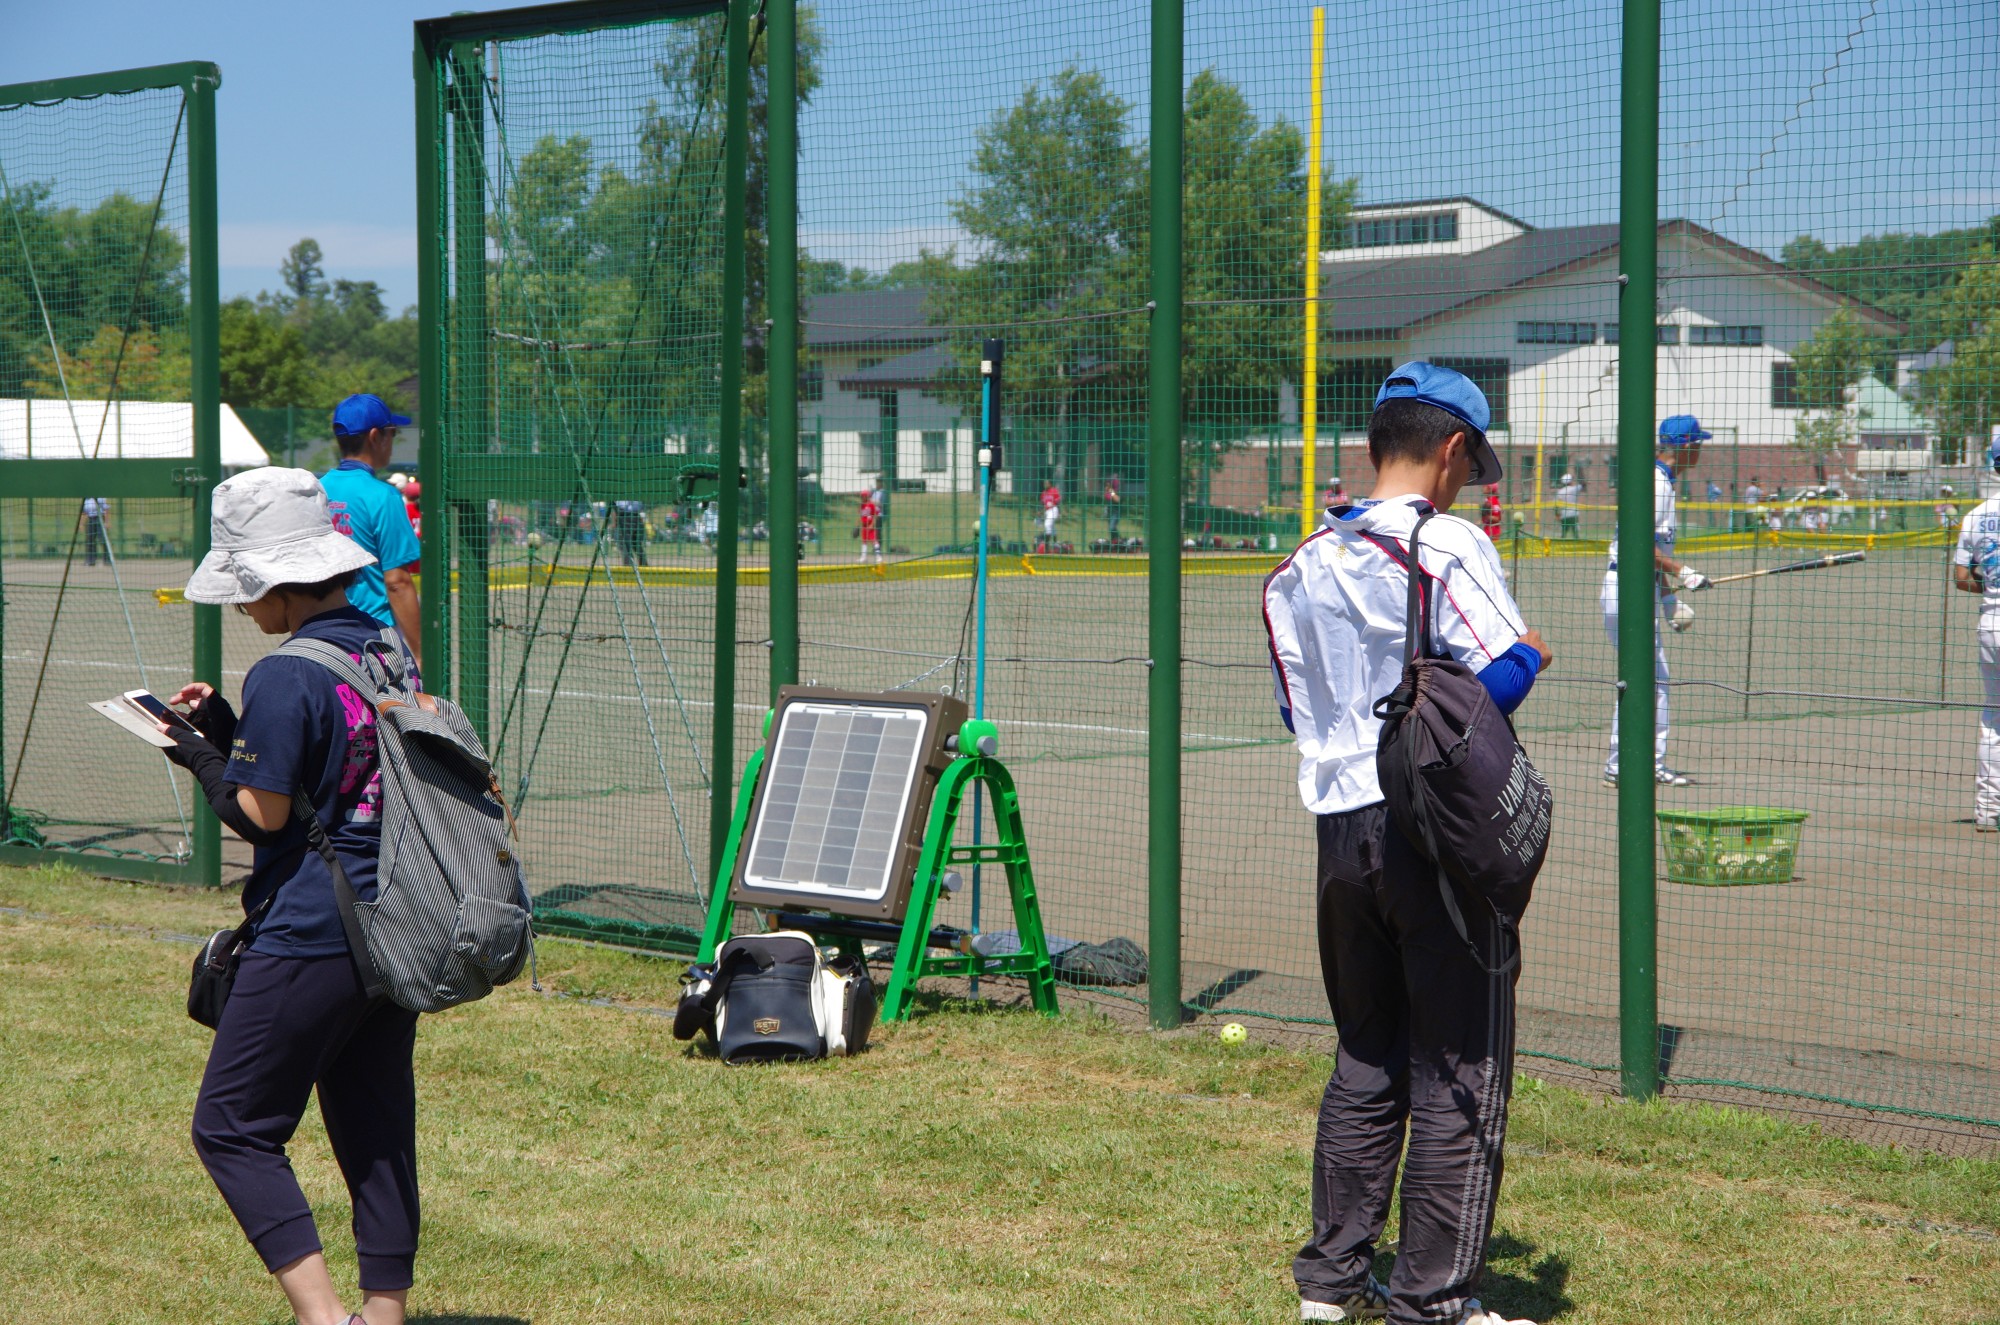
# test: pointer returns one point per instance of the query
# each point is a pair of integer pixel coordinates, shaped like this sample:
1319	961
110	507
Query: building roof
868	319
919	368
1880	409
1370	208
1389	298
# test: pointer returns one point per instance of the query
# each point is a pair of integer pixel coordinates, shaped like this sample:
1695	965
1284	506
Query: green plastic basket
1730	845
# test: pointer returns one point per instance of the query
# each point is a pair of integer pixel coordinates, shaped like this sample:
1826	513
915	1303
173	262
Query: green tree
264	360
1245	222
1058	212
1832	360
112	366
301	272
1964	394
67	272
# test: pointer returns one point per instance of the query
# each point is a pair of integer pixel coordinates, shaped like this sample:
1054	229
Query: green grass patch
975	1164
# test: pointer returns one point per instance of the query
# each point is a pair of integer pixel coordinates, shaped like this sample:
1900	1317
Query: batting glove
1692	579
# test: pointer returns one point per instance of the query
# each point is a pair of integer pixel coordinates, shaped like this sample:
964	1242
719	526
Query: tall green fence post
204	311
461	524
1163	518
431	407
729	463
782	446
1638	350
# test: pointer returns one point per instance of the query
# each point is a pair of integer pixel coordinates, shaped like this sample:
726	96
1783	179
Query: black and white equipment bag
776	997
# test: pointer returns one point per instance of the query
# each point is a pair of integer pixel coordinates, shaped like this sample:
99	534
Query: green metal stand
919	951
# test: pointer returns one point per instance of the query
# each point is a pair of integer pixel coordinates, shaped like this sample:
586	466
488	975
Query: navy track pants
293	1024
1427	1044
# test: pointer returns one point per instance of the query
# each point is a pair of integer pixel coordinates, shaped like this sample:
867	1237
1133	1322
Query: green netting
96	364
1825	253
1008	199
581	178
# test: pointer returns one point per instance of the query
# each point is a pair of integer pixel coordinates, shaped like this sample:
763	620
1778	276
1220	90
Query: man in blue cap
1426	1031
1675	452
372	513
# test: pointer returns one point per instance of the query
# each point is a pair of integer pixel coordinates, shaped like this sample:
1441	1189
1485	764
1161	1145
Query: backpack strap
346	900
335	659
1418	643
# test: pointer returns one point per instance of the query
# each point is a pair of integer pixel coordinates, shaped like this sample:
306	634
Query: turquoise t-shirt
371	513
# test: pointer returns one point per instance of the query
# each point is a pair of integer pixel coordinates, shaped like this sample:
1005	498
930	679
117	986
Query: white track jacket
1334	611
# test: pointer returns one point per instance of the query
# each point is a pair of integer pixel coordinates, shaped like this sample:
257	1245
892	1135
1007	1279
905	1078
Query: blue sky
1838	117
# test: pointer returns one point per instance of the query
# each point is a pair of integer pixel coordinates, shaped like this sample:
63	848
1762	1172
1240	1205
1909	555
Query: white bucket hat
269	527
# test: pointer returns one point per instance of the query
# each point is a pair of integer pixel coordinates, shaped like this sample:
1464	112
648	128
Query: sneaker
1370	1302
1666	777
1986	825
1478	1315
1610	777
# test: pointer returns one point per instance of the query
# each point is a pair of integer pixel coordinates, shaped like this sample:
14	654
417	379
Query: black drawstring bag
1458	785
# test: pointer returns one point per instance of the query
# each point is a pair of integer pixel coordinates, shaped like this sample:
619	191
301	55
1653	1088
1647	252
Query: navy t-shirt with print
301	727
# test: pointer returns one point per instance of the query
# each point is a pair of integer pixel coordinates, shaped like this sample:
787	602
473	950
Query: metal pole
205	353
990	364
431	405
1163	518
457	522
1309	395
729	463
1638	349
783	446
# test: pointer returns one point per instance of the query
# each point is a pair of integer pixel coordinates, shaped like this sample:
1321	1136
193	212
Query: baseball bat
1812	563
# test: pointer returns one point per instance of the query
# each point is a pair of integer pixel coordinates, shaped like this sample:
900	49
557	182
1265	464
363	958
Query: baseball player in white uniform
1677	451
1978	571
1426	1033
1568	494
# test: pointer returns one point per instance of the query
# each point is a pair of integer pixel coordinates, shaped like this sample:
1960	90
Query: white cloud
345	244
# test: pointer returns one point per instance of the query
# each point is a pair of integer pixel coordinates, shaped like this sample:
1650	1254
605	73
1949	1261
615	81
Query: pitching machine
843	828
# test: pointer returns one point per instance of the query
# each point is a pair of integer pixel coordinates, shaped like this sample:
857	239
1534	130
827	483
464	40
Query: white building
1532	316
871	358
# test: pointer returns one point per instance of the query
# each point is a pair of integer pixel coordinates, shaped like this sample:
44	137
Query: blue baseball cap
1683	430
1993	452
1455	394
357	414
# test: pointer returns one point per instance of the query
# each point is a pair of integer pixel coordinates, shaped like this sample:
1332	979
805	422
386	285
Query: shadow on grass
1518	1282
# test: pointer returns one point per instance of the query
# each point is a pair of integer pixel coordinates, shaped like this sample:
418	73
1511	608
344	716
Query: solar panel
832	812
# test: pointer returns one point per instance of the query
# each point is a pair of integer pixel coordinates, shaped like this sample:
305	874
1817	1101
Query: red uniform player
871	528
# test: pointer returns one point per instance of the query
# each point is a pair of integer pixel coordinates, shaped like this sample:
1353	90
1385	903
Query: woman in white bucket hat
297	1018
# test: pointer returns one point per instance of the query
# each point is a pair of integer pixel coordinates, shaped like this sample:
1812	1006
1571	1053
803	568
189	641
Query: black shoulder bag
215	965
1457	782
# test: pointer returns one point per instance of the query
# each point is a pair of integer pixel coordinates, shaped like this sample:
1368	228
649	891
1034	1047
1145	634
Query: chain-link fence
1350	200
109	440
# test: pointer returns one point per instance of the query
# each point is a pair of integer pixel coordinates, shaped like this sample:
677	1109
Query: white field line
596	696
742	707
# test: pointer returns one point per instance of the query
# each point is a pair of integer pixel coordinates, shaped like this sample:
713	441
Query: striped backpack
450	920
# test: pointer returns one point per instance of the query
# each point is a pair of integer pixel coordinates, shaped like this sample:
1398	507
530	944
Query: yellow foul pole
1309	403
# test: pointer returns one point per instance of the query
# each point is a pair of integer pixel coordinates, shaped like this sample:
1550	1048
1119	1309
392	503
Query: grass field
975	1164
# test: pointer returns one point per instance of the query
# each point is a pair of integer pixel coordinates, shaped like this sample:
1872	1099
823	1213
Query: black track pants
293	1023
1427	1042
